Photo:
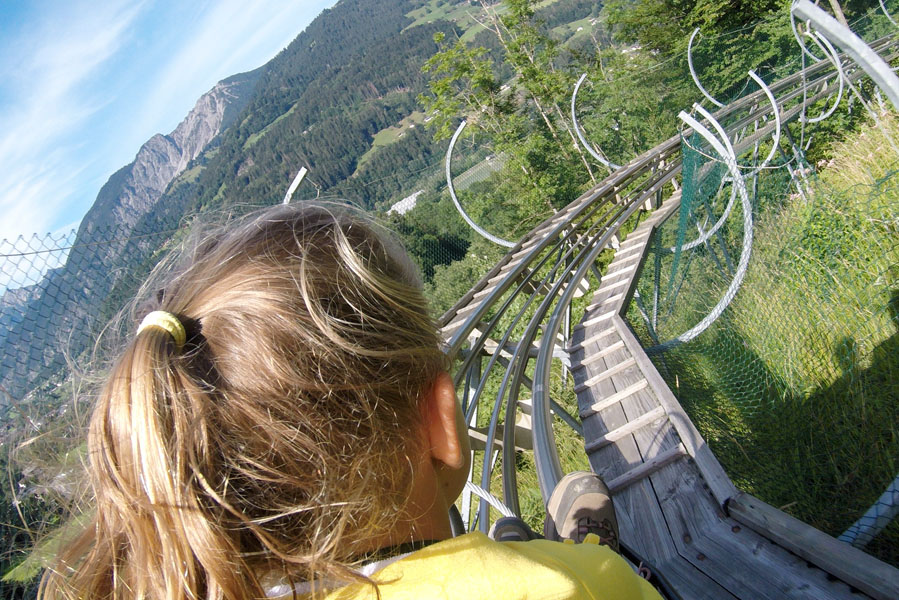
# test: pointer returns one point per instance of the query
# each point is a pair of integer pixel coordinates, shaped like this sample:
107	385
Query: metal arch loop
831	54
580	134
884	8
693	71
777	123
805	50
727	154
876	68
723	147
452	191
709	233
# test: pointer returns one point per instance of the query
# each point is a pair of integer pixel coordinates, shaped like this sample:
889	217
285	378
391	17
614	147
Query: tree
517	96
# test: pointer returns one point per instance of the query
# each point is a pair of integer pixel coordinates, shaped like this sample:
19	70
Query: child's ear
443	422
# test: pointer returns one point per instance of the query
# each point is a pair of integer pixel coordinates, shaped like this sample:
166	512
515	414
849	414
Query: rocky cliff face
54	319
133	191
208	117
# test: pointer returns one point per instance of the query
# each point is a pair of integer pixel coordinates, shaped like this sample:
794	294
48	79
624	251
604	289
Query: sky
83	84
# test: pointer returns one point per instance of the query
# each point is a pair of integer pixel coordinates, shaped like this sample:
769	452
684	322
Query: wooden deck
671	494
677	507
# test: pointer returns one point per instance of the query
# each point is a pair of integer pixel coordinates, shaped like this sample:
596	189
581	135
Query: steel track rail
549	471
557	254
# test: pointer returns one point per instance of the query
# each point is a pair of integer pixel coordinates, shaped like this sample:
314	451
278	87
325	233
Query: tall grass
796	387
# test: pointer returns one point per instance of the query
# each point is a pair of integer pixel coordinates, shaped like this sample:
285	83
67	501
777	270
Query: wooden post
863	571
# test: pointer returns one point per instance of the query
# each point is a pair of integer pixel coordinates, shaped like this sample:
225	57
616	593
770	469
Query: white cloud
84	83
231	36
48	68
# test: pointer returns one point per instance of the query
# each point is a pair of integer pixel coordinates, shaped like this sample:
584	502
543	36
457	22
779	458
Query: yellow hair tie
167	322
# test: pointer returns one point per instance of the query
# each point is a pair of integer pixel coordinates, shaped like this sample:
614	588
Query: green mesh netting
702	181
796	385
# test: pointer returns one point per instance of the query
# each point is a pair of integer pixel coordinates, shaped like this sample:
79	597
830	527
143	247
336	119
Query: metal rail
518	311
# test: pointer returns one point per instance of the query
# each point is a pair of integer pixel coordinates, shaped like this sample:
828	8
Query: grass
795	388
188	176
388	136
568	32
48	467
461	15
252	139
48	548
436	10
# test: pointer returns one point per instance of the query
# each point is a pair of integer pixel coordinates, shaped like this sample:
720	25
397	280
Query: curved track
514	326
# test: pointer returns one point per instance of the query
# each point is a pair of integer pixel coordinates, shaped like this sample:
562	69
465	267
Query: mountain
133	190
341	99
342	59
355	72
46	322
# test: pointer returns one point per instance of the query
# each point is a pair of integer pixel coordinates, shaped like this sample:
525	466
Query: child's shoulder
474	566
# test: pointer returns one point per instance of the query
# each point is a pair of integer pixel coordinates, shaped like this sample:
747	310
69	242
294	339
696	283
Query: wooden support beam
594	320
646	469
614	398
491	346
605	375
601	354
860	570
523	438
621	271
612	298
484	292
468	308
593	338
604	287
620	260
637	236
625	251
613	436
502	273
583	287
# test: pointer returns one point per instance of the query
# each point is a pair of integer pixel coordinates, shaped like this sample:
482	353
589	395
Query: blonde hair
276	440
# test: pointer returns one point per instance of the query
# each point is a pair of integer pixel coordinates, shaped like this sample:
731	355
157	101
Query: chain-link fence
794	385
58	291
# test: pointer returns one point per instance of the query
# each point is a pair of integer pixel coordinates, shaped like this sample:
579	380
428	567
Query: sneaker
511	529
580	505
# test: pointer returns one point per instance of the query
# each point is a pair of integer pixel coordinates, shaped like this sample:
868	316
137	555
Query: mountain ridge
95	264
134	188
142	204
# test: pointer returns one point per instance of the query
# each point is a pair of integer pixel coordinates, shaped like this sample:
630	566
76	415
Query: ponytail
259	432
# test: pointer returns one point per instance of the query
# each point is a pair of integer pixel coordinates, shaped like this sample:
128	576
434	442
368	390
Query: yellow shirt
473	566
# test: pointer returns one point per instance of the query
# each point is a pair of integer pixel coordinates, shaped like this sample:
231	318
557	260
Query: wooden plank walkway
677	507
670	492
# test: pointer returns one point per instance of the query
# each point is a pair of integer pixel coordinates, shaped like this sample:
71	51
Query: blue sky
84	83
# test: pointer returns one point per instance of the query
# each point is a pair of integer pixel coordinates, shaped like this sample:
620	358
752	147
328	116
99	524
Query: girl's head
282	437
